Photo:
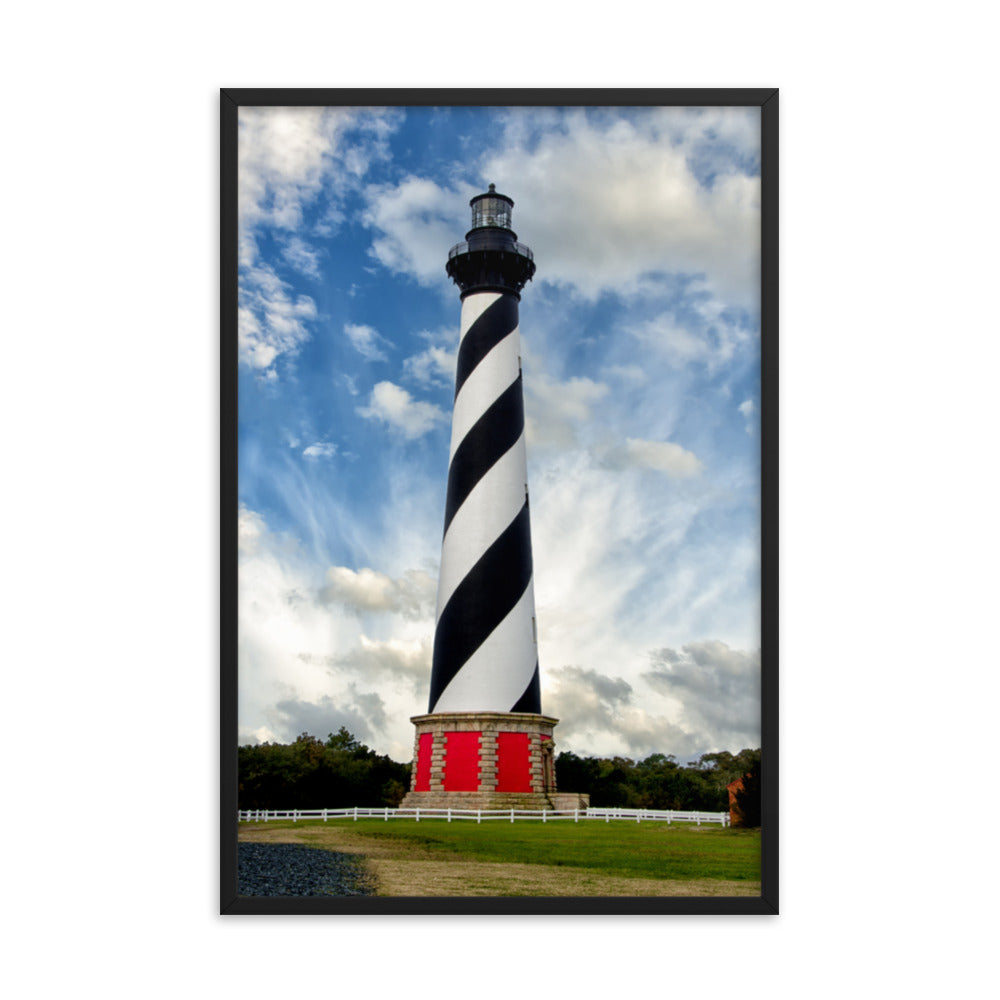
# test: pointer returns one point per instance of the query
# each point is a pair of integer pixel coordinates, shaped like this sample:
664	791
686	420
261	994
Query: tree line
341	771
660	782
312	774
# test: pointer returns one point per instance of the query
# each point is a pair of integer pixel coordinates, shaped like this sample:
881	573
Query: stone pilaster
488	761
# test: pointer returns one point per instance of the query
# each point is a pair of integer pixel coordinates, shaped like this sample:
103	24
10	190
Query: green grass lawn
646	850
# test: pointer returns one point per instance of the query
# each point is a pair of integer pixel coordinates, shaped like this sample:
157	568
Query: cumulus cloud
409	658
624	562
301	256
365	340
749	411
291	159
259	734
663	456
321	449
288	157
278	616
415	223
272	322
718	689
588	697
434	366
322	717
394	406
621	561
283	155
250	527
303	664
607	199
367	590
372	707
597	711
397	659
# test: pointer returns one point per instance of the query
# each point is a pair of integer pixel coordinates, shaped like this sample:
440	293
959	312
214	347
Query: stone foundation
568	801
485	760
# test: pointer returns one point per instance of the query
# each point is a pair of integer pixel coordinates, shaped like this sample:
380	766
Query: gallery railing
460	248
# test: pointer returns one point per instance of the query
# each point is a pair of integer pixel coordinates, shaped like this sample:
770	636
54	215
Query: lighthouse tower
484	742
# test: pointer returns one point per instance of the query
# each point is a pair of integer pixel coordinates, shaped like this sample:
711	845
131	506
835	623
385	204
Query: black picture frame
231	100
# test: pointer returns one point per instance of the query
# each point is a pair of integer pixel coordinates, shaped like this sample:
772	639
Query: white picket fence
479	815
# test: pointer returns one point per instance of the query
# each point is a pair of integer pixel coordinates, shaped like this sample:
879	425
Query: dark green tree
310	774
657	782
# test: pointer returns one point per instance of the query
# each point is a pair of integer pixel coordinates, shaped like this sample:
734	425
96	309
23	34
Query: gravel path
294	870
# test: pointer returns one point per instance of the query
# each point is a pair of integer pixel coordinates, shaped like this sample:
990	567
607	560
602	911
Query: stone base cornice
475	721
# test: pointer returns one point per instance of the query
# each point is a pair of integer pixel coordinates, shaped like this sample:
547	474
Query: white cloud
623	558
291	159
249	528
589	531
622	565
663	456
408	659
304	658
272	323
674	340
395	407
363	590
283	155
261	734
554	409
434	366
603	200
321	449
303	663
326	715
403	661
290	156
278	619
301	256
717	688
416	222
704	699
567	414
597	716
365	340
749	410
711	338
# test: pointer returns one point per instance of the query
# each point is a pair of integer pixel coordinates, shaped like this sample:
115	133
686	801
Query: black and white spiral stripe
485	651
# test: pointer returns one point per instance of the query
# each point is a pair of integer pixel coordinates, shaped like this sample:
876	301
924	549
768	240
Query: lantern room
491	209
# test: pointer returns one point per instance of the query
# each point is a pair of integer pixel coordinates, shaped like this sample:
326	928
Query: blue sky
640	336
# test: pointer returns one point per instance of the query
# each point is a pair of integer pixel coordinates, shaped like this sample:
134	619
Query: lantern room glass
489	211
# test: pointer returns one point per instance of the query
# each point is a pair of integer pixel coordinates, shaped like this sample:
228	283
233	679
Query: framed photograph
499	445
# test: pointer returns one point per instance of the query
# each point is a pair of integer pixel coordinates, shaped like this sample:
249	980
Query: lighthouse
484	742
